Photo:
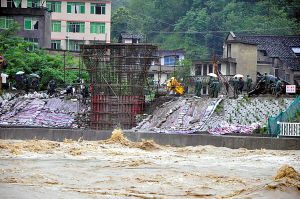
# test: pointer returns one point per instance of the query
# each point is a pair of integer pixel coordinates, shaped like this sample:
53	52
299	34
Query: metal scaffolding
118	74
118	69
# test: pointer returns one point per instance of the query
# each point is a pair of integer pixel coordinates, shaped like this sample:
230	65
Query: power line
217	31
156	19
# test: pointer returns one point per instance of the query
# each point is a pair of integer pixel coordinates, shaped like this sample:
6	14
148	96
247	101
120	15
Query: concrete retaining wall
234	142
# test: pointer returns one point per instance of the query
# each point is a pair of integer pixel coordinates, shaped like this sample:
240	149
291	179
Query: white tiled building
74	22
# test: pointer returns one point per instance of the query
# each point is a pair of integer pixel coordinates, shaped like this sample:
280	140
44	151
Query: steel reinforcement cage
118	73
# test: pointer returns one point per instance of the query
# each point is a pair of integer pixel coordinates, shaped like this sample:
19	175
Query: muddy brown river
72	169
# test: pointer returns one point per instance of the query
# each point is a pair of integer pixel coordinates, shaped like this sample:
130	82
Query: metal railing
284	117
289	129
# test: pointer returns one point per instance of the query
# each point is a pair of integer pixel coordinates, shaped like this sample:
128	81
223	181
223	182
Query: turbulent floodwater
72	169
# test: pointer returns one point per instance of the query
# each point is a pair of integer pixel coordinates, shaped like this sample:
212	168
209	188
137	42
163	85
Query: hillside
199	26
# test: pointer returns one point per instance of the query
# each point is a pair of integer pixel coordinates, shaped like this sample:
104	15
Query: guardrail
289	129
283	117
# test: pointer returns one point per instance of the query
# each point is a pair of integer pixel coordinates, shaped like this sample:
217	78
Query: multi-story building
201	69
35	23
76	22
161	69
73	22
278	55
166	65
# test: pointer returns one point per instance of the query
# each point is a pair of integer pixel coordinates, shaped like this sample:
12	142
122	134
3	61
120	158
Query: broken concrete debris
40	110
224	128
178	115
190	115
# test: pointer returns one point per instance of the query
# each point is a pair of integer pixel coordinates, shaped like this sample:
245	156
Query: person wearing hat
85	94
278	88
20	80
198	87
51	87
241	84
211	86
35	83
216	88
235	83
248	83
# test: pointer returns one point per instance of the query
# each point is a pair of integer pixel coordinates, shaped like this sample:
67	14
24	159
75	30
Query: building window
287	77
33	3
296	50
228	50
170	60
56	44
219	67
54	6
74	45
228	69
198	70
14	3
264	52
75	27
276	72
210	68
6	22
98	28
97	8
75	8
34	42
204	69
93	42
31	24
204	90
56	26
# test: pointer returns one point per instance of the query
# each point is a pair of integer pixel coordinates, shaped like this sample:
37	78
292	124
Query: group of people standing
27	82
271	84
239	84
76	88
214	86
266	84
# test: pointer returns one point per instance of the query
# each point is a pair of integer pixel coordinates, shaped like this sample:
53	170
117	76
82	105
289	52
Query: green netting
285	116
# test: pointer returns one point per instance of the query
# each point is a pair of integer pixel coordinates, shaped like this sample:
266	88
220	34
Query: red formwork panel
111	111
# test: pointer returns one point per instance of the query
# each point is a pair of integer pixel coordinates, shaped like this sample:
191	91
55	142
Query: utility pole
64	66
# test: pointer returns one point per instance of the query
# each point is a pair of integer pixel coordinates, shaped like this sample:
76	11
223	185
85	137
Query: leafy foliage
200	26
19	58
183	71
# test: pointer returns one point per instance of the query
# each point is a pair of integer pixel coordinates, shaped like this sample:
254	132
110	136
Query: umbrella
212	75
20	73
4	75
34	75
239	75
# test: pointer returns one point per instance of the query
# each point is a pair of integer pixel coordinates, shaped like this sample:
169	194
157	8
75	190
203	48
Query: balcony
228	60
24	11
205	79
162	69
263	62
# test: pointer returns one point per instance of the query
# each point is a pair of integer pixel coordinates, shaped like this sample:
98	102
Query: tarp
225	128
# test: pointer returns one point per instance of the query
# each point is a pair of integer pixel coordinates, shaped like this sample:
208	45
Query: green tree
200	26
19	58
123	21
183	71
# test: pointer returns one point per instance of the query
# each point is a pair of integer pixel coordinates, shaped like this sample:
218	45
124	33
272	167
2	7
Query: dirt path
44	169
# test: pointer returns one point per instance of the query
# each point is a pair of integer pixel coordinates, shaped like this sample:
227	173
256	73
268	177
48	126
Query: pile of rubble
192	114
40	110
244	115
179	115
